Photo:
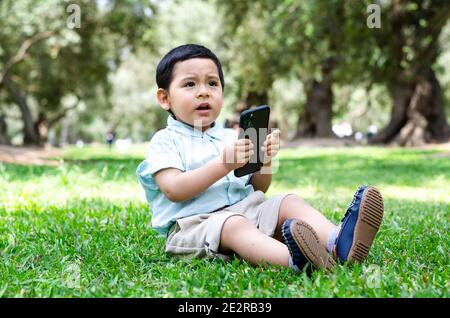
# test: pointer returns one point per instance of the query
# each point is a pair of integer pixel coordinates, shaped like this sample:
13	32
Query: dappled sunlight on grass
426	194
351	167
83	229
65	183
367	152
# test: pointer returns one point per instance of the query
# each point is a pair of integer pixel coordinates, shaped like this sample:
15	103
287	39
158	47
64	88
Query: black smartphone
254	124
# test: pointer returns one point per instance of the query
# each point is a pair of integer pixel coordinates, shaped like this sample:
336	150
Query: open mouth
204	106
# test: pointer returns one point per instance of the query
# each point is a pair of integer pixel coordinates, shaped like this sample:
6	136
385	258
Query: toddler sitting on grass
203	209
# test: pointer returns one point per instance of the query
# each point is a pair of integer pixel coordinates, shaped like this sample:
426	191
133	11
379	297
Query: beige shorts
199	235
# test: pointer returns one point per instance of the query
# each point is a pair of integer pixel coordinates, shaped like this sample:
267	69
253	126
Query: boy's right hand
237	154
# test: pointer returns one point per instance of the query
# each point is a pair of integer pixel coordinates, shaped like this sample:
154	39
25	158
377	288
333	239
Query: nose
202	91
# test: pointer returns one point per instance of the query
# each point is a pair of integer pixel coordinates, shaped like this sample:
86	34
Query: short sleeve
162	153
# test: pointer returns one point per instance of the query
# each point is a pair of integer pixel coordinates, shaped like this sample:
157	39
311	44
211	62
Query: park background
359	89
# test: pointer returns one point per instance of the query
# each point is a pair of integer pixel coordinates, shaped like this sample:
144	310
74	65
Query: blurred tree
43	60
134	111
251	60
409	45
320	42
4	139
131	109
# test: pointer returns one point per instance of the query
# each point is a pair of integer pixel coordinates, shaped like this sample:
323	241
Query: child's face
195	83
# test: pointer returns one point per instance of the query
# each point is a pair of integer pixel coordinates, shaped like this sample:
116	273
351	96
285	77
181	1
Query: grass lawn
82	229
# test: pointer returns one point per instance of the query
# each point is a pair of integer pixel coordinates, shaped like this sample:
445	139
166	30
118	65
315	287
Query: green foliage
297	36
408	38
269	48
132	109
72	62
82	229
274	42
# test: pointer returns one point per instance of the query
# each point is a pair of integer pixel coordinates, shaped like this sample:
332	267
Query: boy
203	209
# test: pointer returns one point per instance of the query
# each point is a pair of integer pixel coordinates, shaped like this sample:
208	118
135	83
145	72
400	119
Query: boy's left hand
271	146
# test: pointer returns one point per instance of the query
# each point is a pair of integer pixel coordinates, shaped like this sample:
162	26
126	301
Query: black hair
181	53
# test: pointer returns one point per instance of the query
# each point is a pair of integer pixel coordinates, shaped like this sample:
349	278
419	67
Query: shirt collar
185	129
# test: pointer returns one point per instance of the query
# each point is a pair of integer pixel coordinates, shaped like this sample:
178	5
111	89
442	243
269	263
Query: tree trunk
30	135
316	118
318	112
401	96
418	114
41	126
426	117
4	140
256	99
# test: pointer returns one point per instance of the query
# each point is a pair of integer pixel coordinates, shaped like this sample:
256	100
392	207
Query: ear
163	98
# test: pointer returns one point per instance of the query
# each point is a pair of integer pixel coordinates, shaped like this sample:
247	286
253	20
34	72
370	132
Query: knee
292	199
291	206
234	224
232	230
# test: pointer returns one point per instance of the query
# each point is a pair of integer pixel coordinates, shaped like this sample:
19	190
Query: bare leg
242	237
294	207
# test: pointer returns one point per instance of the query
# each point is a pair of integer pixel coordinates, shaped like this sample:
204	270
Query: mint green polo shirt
182	147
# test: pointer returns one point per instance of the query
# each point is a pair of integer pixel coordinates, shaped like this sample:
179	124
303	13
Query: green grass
83	229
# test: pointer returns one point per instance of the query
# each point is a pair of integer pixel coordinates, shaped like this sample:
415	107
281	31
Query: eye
213	83
189	84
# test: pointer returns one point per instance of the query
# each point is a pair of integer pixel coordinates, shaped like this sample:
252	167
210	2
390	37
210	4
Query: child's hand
237	154
271	146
